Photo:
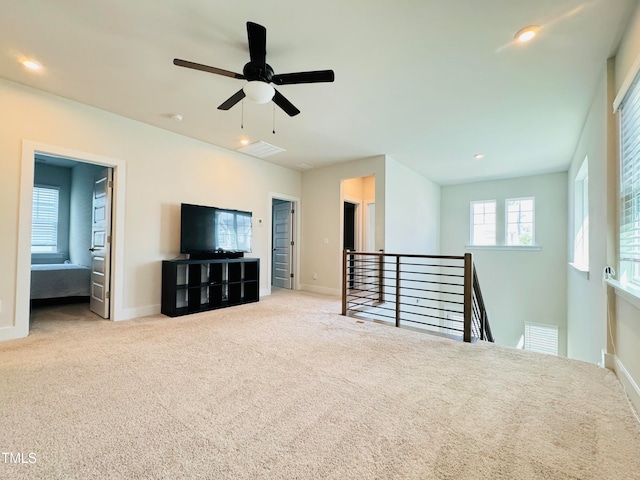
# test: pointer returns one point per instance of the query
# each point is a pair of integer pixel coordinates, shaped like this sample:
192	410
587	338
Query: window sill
528	248
628	292
581	269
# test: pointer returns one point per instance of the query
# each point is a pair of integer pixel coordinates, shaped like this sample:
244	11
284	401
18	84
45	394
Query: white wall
518	286
412	211
163	170
599	319
586	299
321	222
622	326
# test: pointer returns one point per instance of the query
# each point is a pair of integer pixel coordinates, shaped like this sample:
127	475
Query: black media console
190	286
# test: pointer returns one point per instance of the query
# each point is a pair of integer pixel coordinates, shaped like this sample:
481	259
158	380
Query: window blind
630	175
44	228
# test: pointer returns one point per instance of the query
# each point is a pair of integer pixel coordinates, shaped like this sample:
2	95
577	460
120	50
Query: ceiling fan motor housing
251	72
259	75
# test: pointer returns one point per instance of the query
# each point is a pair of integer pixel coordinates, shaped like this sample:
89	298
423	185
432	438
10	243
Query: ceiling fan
260	75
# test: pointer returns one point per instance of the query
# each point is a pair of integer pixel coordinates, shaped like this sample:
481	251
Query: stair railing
435	293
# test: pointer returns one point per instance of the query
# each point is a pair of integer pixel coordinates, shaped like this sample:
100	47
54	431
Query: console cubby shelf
190	286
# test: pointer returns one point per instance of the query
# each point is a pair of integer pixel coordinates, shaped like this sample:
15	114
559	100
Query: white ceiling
428	82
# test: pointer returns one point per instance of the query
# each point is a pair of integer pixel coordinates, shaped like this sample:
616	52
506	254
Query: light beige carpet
288	389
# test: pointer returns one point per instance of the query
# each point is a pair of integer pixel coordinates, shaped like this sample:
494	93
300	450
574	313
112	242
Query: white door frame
357	220
369	233
295	203
23	280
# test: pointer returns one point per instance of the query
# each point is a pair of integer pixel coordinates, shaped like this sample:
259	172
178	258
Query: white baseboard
321	290
13	333
264	292
131	313
630	386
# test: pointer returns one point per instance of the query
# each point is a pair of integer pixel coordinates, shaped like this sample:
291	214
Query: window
630	185
520	213
581	217
44	219
483	222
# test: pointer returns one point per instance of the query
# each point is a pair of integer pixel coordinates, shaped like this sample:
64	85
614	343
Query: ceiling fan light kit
260	75
259	92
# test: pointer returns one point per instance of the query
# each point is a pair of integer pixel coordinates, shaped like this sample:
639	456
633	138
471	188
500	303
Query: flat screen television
211	230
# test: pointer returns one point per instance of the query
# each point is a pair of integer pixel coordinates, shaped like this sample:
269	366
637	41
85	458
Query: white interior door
101	243
281	258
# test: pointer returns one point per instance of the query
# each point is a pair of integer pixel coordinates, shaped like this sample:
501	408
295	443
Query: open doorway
284	259
350	233
71	235
358	199
114	285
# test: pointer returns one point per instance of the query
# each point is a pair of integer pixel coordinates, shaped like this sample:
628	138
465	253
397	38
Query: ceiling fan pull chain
242	116
274	118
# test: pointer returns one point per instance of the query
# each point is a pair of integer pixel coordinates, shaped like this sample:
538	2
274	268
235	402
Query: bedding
60	280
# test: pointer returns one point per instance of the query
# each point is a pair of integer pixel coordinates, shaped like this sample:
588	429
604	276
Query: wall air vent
260	149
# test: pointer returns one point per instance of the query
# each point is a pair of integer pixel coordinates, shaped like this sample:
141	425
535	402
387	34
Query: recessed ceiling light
176	117
527	33
244	141
479	156
31	65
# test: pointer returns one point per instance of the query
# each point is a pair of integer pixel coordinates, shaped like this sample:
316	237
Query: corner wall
407	216
321	220
625	314
163	170
412	211
518	286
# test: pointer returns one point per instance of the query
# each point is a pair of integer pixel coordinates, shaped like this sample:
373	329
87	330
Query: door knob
92	249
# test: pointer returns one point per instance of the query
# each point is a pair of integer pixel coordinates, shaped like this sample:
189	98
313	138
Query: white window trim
628	267
524	248
580	214
506	221
471	224
627	291
580	269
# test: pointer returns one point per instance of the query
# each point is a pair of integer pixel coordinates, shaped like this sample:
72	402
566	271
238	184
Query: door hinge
110	184
108	238
293	211
292	243
107	295
291	275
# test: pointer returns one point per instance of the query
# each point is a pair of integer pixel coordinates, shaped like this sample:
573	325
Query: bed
60	280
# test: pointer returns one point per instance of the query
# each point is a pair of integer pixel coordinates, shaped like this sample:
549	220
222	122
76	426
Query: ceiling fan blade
257	36
285	104
206	68
232	100
304	77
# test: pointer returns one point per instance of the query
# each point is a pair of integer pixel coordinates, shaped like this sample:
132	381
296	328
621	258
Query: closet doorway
282	243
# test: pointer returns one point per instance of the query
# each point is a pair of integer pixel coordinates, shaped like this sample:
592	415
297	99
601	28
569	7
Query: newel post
468	296
344	281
